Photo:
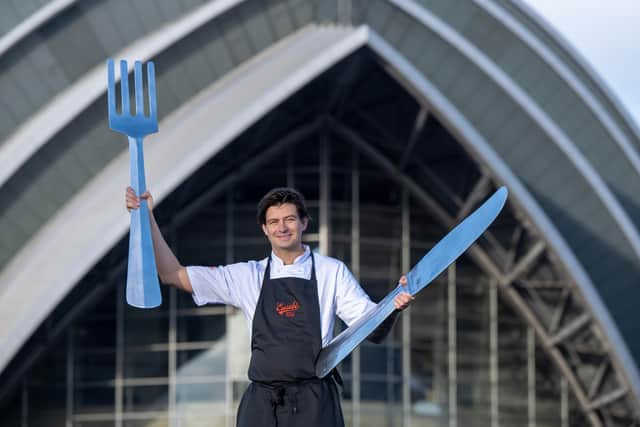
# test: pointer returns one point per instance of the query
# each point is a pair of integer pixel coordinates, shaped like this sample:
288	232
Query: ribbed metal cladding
518	10
63	49
50	60
548	89
57	171
548	172
16	11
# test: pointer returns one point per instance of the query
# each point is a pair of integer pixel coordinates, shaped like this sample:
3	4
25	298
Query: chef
290	300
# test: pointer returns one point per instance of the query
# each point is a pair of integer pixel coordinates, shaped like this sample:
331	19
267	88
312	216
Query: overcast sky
607	34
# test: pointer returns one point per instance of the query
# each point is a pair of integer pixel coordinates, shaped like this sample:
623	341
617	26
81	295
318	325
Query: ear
305	222
264	230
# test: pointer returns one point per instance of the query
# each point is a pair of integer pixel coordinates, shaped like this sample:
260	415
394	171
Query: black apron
286	340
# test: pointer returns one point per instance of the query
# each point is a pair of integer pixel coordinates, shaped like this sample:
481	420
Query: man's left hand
403	299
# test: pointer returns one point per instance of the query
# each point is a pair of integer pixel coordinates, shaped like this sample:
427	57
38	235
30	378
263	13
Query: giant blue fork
143	288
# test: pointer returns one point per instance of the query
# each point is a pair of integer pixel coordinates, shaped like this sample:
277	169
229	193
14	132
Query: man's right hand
132	201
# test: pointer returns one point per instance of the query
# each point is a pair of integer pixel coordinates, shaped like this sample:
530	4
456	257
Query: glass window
145	398
93	366
93	399
155	422
188	395
201	328
144	327
202	362
143	363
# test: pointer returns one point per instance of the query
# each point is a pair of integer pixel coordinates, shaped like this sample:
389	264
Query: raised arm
170	270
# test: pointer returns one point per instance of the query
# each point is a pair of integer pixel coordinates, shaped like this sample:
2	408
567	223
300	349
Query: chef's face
283	227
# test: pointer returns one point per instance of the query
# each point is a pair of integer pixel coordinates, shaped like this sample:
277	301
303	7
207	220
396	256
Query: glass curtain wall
459	356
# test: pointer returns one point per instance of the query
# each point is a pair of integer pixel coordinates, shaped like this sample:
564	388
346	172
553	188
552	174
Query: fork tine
151	85
111	88
124	87
137	72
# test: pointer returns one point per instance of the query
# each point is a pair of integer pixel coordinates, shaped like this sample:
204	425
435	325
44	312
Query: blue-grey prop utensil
143	288
428	268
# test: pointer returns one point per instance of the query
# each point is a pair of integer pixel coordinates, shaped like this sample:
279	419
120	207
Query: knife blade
447	250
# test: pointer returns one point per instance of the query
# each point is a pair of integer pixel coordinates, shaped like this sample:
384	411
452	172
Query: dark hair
278	196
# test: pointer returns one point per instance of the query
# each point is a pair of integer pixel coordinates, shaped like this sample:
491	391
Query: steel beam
570	329
559	311
594	387
482	259
245	170
418	125
608	398
480	190
524	263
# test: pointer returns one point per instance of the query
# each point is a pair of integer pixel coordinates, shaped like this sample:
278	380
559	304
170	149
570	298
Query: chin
286	245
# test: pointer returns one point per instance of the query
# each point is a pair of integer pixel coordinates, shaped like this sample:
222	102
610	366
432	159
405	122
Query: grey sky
607	35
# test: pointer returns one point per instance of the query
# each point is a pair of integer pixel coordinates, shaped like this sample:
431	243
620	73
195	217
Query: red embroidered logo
288	310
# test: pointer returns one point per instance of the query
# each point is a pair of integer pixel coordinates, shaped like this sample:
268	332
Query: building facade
395	119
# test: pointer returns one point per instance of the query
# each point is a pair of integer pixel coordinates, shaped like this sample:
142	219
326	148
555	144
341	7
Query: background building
395	119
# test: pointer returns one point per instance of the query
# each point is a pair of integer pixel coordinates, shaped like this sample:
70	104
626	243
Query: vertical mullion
172	338
531	377
230	255
439	350
24	415
355	267
291	181
389	350
172	357
564	402
325	190
229	226
452	353
119	355
70	379
493	351
406	317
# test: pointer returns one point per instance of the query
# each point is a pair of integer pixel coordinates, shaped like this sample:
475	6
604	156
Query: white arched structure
90	224
84	228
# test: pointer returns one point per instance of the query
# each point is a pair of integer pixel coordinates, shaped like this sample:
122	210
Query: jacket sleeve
213	285
351	300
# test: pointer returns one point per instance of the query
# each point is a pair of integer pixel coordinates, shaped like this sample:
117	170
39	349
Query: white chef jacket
239	285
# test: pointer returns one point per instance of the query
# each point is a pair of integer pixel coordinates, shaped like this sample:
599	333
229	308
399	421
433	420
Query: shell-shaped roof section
16	12
76	37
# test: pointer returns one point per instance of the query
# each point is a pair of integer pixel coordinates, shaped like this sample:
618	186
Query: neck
288	256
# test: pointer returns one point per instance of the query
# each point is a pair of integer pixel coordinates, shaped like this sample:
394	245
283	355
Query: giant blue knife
428	268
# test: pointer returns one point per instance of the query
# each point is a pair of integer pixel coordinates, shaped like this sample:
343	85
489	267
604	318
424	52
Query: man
290	300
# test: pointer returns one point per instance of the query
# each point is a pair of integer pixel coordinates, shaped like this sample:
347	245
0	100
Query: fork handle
143	288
